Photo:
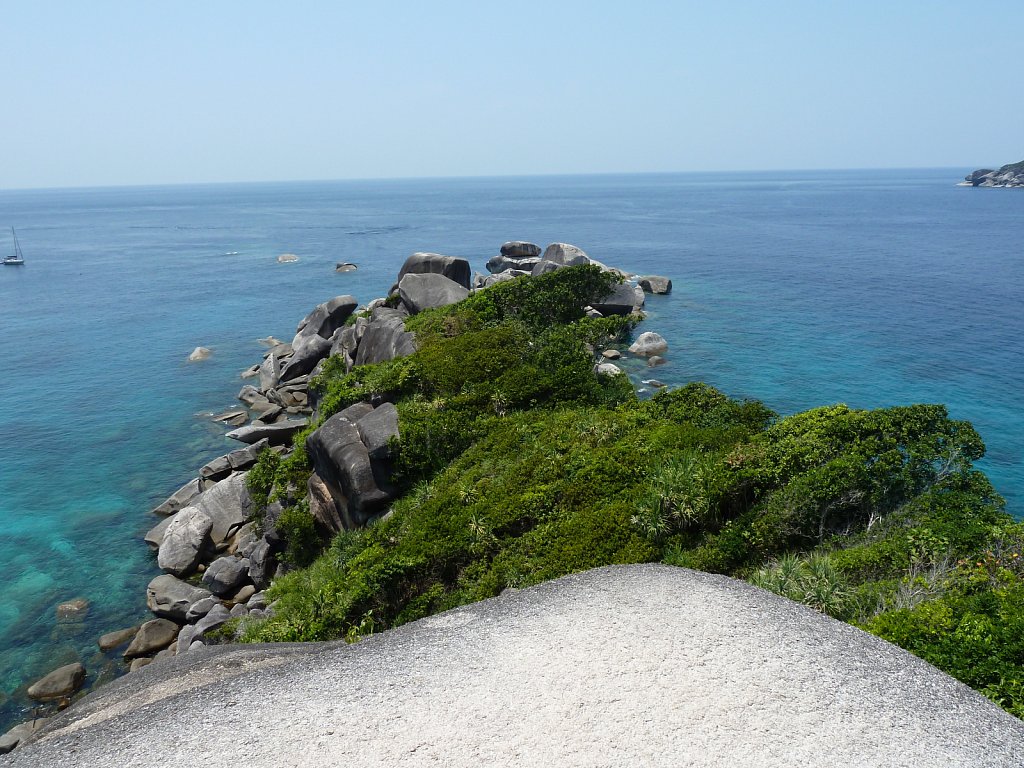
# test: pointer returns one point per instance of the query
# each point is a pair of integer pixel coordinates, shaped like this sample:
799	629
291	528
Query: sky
116	93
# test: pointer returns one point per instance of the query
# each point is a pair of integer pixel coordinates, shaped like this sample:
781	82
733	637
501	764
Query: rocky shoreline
219	550
1007	177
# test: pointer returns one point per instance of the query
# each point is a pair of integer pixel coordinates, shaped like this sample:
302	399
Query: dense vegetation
518	465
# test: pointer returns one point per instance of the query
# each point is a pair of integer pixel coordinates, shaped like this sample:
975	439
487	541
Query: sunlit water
800	289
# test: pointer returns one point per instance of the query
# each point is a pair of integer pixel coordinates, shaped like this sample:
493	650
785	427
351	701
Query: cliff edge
626	665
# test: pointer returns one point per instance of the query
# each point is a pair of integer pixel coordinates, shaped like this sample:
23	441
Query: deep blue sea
871	288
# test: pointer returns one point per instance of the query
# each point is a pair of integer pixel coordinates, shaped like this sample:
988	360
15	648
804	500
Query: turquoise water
801	289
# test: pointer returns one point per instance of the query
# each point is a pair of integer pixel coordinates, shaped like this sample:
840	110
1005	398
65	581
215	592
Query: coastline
194	596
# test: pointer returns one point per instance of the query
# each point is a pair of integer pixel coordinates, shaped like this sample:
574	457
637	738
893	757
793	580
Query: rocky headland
476	436
1011	175
219	551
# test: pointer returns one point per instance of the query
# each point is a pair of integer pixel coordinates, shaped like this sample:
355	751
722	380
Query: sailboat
16	258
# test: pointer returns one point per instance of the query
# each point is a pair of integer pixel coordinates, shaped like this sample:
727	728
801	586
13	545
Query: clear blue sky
99	93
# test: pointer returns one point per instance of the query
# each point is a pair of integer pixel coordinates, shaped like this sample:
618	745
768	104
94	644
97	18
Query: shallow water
801	289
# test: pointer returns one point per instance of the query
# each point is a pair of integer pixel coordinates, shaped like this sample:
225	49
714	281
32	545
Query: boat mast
17	246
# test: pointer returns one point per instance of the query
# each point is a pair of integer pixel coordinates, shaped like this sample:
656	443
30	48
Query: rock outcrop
631	665
454	268
1011	175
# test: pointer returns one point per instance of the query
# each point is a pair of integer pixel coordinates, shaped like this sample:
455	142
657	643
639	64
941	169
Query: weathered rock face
423	291
648	344
565	255
152	636
185	541
58	684
385	338
170	597
509	274
218	616
343	463
322	506
655	284
454	268
377	428
519	249
225	575
270	372
608	369
1011	175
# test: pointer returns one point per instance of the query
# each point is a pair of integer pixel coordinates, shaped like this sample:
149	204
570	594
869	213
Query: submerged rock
198	354
112	640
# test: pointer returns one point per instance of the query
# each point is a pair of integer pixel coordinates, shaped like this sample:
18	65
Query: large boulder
385	338
312	340
377	428
648	344
225	575
279	433
424	291
111	640
326	318
170	597
228	505
358	486
454	268
152	636
309	350
566	255
185	541
270	372
655	284
59	684
621	301
520	249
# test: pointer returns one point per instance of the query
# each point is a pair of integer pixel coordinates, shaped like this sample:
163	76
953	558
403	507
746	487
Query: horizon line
151	185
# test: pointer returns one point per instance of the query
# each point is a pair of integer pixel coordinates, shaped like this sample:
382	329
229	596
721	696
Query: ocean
872	288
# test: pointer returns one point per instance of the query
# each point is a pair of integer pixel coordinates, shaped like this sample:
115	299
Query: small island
1011	175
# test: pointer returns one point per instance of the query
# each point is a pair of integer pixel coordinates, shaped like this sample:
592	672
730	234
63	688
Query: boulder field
626	665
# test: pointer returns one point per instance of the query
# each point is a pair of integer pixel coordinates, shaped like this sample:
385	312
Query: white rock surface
622	666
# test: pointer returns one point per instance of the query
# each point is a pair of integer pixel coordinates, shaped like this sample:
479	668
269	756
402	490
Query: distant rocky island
1011	175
